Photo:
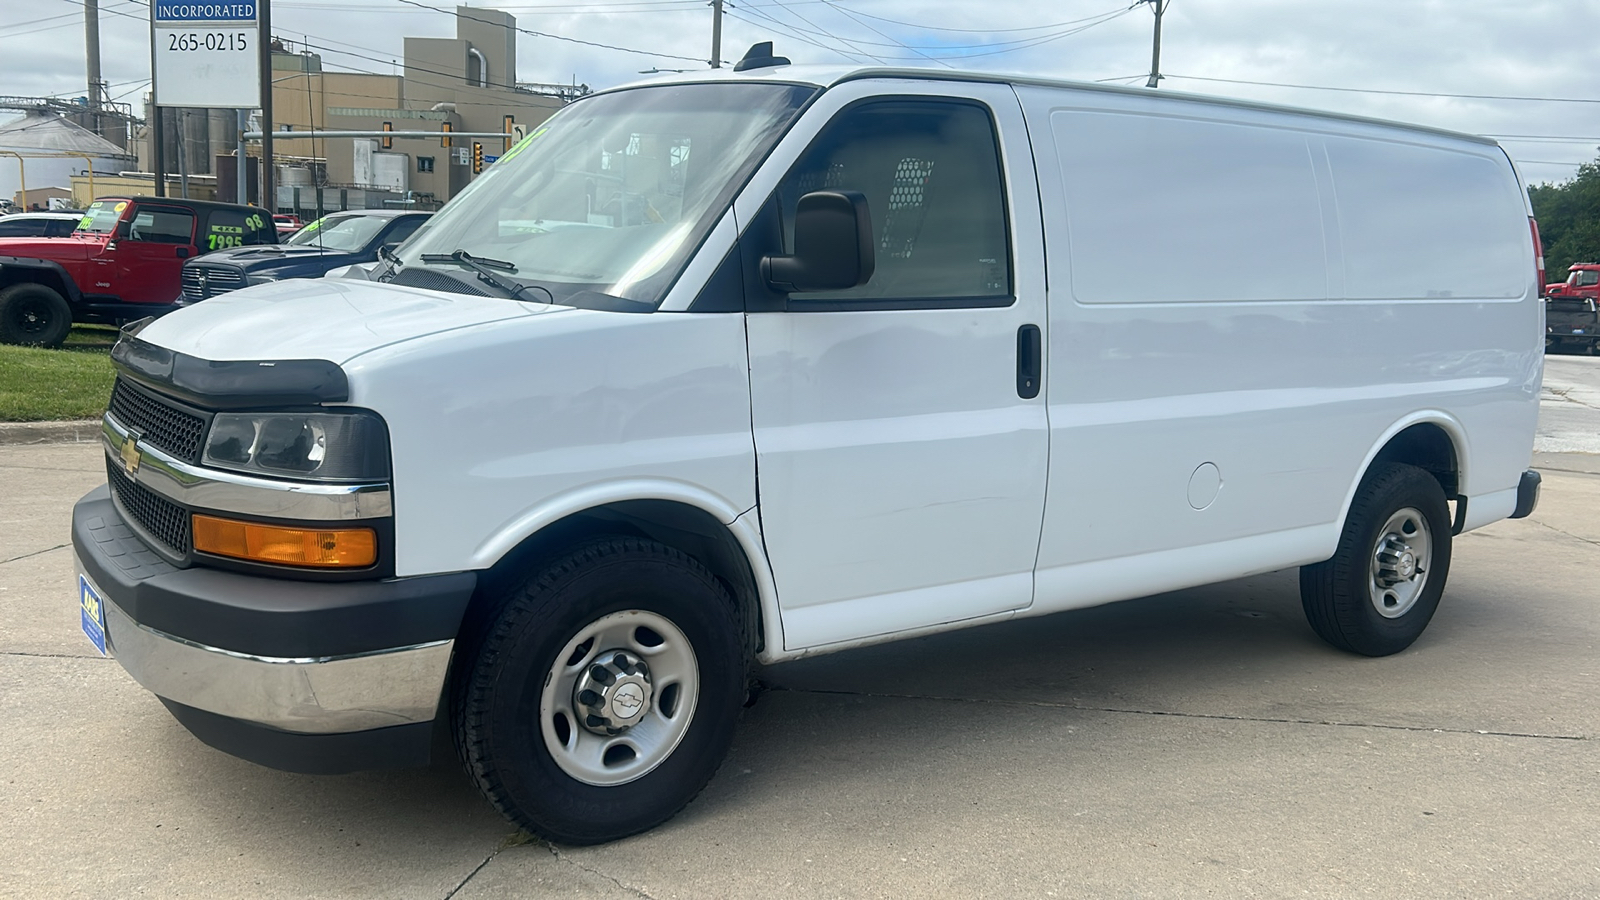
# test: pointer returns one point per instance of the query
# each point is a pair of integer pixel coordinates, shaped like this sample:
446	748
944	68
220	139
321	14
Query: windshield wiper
485	269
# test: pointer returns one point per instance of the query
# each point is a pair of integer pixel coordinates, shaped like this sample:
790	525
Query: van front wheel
601	697
1381	587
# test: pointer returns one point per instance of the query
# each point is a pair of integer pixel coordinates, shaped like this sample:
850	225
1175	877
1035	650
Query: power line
1315	87
789	31
1022	44
915	50
858	12
853	44
544	34
820	33
630	6
893	42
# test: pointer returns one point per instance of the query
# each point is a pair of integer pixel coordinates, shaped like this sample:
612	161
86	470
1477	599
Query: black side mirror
832	245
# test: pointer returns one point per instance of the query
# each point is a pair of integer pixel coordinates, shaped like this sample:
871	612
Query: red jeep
124	262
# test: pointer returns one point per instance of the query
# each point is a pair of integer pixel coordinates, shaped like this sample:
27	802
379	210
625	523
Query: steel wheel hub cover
619	697
1400	564
613	693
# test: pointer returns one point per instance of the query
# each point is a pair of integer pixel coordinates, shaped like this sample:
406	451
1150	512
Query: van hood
335	319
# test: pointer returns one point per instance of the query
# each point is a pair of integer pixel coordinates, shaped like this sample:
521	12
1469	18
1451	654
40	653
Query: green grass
38	385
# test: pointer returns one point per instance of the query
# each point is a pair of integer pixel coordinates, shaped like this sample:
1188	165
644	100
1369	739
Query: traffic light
445	128
477	157
388	142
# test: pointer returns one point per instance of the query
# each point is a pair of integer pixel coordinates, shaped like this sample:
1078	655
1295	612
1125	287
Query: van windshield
611	195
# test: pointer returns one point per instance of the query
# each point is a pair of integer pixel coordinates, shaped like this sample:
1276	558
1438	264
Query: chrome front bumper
313	695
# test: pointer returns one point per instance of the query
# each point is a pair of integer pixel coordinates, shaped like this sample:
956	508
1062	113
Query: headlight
346	446
260	279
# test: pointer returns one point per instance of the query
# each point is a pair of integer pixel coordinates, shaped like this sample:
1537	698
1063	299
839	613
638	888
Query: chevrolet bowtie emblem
130	453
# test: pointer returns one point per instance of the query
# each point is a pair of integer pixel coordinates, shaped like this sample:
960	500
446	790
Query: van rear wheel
1381	587
600	696
33	315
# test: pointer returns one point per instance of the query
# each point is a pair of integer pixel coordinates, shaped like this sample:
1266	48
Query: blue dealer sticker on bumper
93	609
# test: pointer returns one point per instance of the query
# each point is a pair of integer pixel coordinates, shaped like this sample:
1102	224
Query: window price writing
210	40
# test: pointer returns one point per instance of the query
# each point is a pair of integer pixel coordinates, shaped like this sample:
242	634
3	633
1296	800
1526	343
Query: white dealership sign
206	53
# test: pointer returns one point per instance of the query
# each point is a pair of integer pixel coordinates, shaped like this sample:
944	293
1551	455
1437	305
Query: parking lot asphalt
1202	742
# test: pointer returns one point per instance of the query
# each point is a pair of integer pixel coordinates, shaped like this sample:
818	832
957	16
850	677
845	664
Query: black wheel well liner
1429	447
686	528
51	274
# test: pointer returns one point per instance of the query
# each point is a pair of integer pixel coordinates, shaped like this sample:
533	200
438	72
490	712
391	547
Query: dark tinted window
23	228
237	228
930	171
60	227
403	229
159	225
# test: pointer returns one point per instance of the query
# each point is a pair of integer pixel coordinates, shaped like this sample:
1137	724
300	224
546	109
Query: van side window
162	226
930	171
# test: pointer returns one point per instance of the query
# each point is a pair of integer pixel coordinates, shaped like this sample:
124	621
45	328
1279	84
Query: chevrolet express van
744	366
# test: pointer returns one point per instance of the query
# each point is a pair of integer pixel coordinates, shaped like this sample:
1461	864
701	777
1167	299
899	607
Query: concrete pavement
1200	742
1569	405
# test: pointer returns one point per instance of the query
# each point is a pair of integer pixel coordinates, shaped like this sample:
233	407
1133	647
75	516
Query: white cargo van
744	366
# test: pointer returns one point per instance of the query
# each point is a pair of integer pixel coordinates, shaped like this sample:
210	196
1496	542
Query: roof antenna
759	56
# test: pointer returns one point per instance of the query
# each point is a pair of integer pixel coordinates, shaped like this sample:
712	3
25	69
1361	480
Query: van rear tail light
1538	254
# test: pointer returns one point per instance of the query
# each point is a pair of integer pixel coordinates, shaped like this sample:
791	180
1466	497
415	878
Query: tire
546	710
33	315
1380	589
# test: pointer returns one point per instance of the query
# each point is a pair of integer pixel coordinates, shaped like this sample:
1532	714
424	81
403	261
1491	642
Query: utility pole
241	165
91	52
267	197
154	131
716	34
1155	52
183	153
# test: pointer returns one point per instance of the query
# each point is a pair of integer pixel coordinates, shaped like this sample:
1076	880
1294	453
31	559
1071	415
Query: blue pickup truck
335	240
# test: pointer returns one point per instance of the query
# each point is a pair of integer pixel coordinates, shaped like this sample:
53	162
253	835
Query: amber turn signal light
322	548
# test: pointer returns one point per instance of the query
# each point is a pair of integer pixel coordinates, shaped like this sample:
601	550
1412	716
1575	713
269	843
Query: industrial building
43	150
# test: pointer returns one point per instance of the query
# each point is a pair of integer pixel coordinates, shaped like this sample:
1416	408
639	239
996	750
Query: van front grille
162	426
162	519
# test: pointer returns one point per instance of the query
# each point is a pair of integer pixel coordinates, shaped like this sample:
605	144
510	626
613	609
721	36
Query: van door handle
1030	361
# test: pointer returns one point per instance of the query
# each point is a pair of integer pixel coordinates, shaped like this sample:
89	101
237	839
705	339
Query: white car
801	359
39	224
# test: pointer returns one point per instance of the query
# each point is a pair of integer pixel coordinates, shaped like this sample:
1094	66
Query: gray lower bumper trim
326	695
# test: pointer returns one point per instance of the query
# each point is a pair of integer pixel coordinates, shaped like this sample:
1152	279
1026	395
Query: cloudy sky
1521	70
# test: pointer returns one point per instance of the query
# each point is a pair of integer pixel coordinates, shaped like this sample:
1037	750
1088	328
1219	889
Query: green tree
1569	220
